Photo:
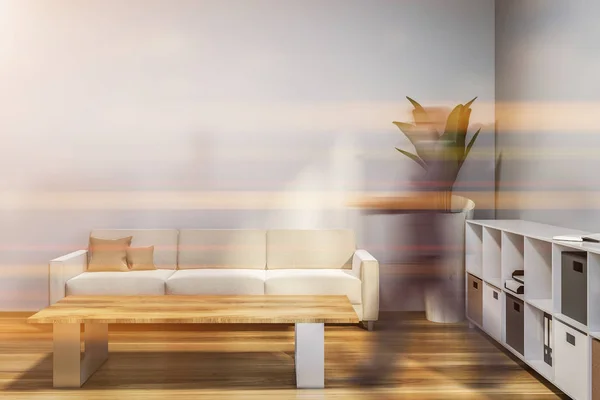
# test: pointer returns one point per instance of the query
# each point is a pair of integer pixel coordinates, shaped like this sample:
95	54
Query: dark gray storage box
515	323
475	299
574	285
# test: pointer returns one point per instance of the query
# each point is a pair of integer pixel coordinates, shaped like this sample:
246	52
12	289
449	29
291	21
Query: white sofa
220	262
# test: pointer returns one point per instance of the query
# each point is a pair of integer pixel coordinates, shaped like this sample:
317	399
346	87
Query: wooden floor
256	362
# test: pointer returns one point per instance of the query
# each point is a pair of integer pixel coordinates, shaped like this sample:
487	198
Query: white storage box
572	356
492	311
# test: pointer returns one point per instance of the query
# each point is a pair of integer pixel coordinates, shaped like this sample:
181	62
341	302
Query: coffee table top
173	309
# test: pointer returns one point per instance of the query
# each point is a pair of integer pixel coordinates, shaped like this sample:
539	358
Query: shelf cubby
474	249
512	258
534	341
538	269
491	257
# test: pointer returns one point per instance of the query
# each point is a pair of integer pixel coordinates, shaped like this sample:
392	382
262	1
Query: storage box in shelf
572	361
570	321
474	299
594	292
558	249
514	317
492	311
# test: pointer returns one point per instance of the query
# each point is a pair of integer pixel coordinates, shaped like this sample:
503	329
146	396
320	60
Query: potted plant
441	155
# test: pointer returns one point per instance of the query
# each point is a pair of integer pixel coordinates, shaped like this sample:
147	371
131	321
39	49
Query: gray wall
547	93
130	99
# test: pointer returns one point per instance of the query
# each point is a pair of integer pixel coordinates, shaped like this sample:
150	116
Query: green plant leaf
411	132
415	104
406	128
422	120
471	143
443	170
452	124
461	130
419	137
413	157
470	102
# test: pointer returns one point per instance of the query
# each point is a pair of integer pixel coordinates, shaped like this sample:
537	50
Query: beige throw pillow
140	258
108	254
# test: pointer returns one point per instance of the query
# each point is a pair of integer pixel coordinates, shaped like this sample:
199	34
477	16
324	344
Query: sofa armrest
366	267
62	269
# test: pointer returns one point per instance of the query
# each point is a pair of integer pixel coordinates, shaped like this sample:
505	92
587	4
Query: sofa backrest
299	249
163	240
222	248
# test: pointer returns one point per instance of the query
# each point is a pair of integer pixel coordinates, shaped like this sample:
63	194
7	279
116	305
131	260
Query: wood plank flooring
256	362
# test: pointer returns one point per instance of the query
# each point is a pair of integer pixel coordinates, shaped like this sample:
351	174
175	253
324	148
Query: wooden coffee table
71	368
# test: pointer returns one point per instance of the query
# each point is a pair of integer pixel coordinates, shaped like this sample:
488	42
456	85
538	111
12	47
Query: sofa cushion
299	249
222	248
119	283
141	258
163	240
315	282
217	282
108	254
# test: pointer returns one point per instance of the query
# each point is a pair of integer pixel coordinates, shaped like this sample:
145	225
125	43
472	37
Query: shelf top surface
582	246
496	282
544	305
530	229
475	274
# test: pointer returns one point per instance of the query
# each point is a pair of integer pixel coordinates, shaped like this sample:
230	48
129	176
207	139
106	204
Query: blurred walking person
441	155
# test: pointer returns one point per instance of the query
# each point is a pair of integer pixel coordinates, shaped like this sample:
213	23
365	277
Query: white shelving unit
496	248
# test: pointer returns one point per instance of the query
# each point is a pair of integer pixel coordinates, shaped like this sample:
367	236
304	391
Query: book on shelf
519	276
593	238
514	286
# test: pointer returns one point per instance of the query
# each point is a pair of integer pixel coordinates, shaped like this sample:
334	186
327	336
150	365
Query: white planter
445	298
